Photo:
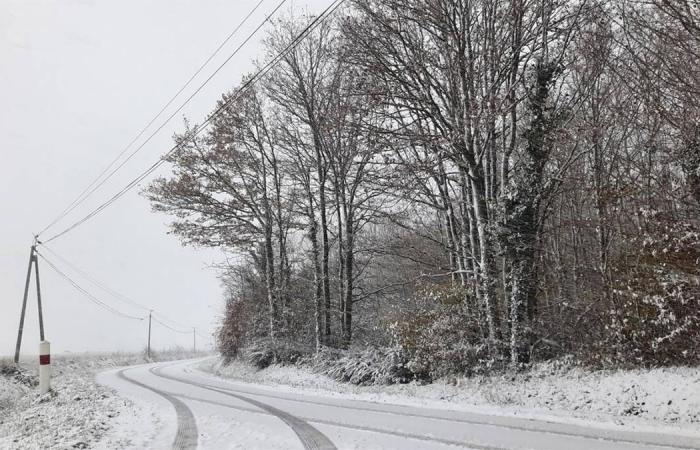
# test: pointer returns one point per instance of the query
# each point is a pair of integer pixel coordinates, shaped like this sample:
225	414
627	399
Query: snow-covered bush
17	374
262	353
14	383
656	298
443	336
231	337
366	366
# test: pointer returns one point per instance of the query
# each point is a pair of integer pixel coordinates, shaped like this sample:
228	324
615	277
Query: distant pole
149	333
194	339
24	303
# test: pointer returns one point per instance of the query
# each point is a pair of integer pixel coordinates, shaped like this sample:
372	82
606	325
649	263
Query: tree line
473	181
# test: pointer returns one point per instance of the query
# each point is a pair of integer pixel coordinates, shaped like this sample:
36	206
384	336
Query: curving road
197	411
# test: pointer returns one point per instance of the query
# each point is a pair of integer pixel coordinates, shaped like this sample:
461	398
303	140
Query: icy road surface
191	410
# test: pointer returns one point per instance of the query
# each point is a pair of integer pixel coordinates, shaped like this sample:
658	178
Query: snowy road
194	410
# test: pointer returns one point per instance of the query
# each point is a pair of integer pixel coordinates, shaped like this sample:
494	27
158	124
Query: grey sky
78	80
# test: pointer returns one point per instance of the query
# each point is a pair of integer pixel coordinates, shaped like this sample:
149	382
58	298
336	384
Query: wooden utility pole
32	260
38	295
149	334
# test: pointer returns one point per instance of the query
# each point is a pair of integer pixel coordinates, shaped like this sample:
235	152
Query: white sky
78	80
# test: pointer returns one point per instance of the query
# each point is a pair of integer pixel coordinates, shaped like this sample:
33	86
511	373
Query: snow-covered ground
80	413
638	398
76	413
210	413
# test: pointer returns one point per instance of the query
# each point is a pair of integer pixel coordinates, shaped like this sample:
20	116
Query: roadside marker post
44	367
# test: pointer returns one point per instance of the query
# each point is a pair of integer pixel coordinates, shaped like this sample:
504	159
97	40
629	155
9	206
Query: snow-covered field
76	413
639	398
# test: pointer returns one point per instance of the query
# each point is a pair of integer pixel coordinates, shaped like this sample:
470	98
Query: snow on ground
149	422
80	413
76	413
668	397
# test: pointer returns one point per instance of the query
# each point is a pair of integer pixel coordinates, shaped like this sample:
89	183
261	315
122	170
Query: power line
96	183
158	163
171	321
90	296
97	283
110	291
169	327
246	85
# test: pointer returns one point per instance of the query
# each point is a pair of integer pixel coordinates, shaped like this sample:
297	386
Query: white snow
665	399
148	421
234	420
80	413
77	412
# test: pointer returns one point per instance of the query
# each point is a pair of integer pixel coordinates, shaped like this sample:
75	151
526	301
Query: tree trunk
349	283
313	237
690	161
270	280
523	279
486	272
341	255
521	222
324	267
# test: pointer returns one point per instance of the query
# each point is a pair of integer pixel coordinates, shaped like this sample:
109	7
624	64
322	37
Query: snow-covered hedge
443	336
655	303
264	352
365	366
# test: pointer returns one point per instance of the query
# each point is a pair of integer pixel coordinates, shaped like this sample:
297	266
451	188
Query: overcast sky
78	80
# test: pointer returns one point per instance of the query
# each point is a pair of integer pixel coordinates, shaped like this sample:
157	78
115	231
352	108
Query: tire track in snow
310	437
418	437
186	436
534	425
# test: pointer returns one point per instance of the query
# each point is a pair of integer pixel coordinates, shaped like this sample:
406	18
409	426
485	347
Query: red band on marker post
44	360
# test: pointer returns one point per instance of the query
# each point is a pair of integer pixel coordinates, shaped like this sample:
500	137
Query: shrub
14	372
262	353
364	367
232	335
443	336
655	317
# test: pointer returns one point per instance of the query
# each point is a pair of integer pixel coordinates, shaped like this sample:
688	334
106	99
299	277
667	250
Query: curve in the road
608	435
186	436
310	437
418	437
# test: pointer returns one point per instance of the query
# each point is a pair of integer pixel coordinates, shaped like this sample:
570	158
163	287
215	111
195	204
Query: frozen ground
76	414
205	412
638	398
83	414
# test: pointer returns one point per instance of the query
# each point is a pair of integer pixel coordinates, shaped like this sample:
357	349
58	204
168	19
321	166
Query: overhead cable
110	291
169	327
96	282
243	88
90	296
99	181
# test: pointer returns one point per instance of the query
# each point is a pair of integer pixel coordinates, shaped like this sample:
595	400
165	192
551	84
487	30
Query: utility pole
33	259
150	312
38	295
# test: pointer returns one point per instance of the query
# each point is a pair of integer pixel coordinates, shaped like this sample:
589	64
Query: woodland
419	188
